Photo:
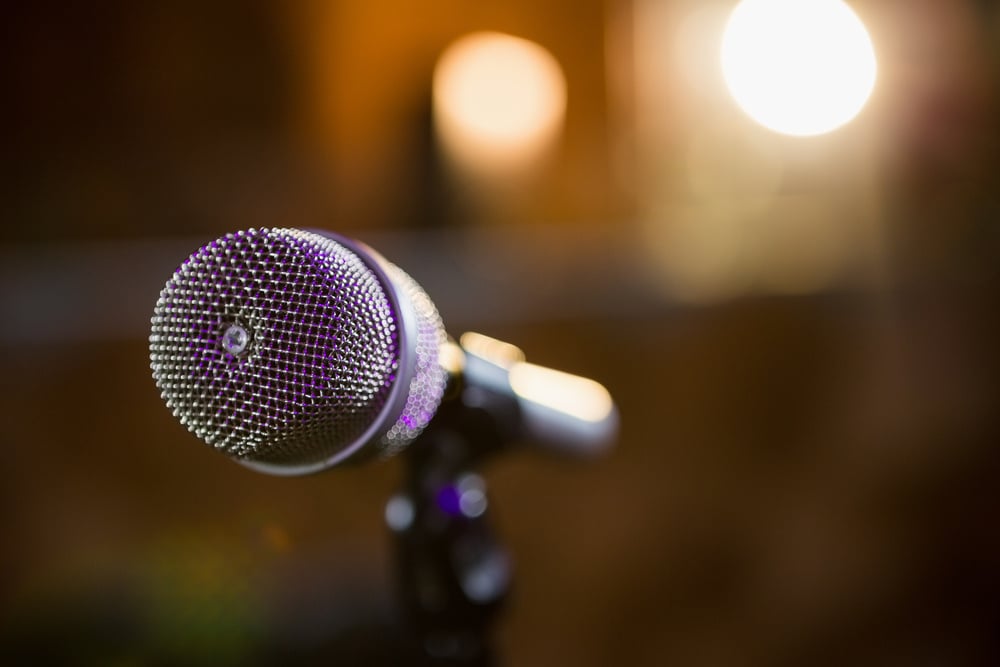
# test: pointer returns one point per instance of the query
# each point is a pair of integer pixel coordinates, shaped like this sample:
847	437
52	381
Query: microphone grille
286	350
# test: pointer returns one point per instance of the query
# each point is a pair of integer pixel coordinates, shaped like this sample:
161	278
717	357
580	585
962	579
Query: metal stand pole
453	574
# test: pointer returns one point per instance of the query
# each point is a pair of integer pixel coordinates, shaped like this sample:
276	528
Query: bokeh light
499	100
798	67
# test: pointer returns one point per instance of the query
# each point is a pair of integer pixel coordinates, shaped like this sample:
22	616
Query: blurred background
800	323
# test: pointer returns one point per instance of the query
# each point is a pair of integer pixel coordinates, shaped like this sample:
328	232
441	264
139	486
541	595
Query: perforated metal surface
327	340
429	379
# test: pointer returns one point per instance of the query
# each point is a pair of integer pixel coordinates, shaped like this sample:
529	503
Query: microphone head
292	351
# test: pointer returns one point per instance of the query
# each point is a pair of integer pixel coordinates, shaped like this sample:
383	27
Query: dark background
804	476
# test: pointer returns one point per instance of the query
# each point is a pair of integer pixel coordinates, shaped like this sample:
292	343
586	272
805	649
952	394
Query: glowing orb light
498	99
798	67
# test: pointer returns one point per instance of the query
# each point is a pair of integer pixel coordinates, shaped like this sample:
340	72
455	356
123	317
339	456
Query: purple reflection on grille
296	385
324	349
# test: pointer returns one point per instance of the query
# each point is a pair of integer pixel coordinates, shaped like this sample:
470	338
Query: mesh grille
321	352
429	380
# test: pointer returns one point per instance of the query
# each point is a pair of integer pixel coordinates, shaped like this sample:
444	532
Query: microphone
294	350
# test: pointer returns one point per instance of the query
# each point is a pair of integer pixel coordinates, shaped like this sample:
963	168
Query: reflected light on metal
499	100
492	350
465	497
798	67
399	513
570	394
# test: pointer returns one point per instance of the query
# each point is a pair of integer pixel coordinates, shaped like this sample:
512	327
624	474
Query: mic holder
453	573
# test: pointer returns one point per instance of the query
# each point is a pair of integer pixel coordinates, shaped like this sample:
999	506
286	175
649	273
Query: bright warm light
573	395
498	99
799	67
492	350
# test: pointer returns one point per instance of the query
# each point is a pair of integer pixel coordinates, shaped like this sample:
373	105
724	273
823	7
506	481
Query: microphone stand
453	574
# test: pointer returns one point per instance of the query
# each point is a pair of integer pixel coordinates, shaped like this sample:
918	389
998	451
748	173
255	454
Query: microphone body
292	351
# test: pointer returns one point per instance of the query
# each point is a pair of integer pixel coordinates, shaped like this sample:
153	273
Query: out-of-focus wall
366	72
